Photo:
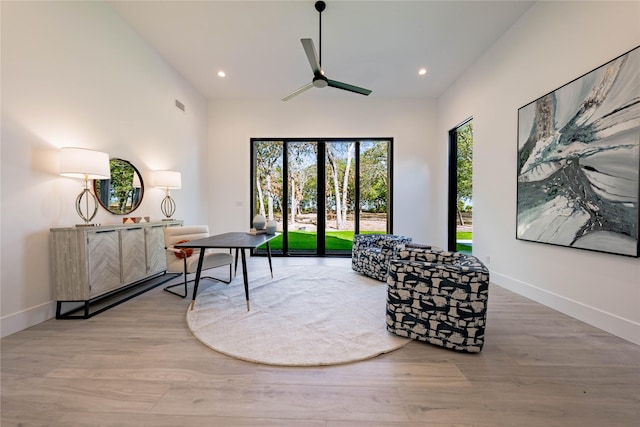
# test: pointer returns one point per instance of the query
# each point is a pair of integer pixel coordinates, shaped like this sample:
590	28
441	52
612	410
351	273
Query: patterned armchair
438	297
371	253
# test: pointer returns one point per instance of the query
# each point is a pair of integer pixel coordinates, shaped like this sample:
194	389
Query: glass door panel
374	187
268	187
339	196
464	186
302	199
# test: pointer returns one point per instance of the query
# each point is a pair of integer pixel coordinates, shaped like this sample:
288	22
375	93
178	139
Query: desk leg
235	273
246	279
197	281
269	255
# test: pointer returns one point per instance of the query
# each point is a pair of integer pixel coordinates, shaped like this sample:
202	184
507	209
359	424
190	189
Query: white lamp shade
167	179
81	163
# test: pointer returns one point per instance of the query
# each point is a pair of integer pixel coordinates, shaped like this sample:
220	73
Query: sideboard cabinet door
156	254
103	259
132	251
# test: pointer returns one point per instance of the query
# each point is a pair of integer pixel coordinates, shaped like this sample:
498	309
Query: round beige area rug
304	316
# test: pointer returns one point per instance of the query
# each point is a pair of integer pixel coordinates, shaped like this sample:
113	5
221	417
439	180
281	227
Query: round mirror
121	194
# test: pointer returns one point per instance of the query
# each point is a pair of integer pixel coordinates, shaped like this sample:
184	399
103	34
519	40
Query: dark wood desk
235	240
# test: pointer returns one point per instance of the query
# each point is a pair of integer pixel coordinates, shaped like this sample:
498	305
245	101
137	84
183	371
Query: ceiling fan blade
312	56
298	91
350	88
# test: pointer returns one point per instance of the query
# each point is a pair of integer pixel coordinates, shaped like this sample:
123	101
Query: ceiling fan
319	79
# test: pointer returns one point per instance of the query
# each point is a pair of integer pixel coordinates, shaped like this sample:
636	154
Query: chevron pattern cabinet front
89	262
156	254
103	259
132	252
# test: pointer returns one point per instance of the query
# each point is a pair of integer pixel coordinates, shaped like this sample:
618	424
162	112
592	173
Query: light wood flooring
138	365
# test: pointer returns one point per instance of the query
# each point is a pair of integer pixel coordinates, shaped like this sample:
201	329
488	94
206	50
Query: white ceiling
379	45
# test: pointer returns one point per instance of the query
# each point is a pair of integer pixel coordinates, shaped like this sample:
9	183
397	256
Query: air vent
180	105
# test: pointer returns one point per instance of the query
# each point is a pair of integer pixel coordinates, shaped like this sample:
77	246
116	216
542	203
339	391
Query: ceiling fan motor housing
320	81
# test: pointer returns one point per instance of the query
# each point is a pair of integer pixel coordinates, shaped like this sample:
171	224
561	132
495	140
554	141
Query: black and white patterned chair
371	253
438	297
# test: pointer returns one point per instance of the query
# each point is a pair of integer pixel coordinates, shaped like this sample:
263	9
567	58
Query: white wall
411	122
552	44
74	74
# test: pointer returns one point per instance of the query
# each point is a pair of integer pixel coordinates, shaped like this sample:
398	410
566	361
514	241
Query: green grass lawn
465	249
462	247
464	235
306	240
338	241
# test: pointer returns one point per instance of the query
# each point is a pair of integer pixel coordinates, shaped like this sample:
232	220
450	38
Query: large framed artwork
579	161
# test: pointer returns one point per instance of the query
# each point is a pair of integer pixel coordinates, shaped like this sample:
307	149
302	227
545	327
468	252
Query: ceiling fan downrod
320	7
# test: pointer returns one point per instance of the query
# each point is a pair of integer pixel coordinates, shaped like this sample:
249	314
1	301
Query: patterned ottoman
438	297
371	253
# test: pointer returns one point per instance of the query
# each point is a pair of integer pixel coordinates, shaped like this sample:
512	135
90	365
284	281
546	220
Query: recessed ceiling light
221	74
422	71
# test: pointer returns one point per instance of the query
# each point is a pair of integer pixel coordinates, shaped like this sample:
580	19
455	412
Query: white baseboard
618	326
19	321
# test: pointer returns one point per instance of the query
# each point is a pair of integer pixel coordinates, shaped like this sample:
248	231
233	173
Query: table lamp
168	180
86	164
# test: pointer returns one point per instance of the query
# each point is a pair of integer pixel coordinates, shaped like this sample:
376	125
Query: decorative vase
259	222
272	226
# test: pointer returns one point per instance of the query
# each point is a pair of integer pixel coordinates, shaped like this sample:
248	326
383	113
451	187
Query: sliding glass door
322	191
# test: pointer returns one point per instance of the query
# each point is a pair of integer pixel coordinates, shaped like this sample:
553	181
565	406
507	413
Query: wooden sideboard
93	264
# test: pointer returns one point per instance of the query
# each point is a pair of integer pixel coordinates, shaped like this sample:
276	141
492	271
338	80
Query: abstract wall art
579	162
